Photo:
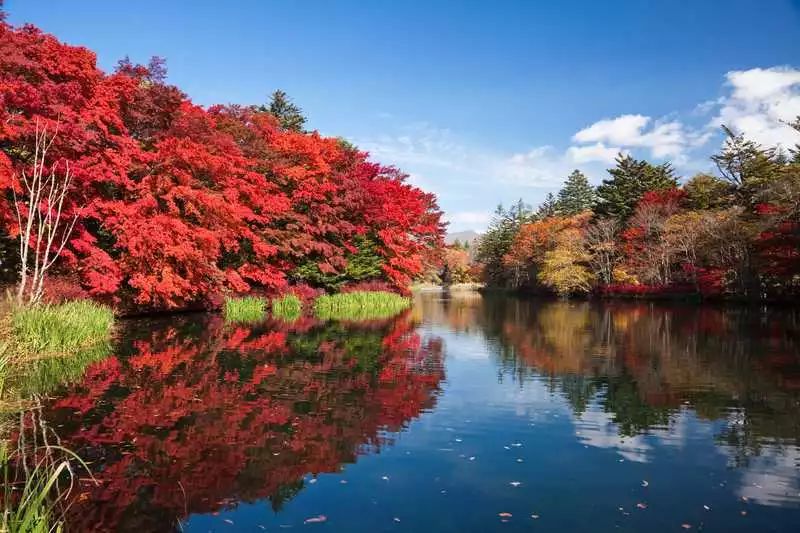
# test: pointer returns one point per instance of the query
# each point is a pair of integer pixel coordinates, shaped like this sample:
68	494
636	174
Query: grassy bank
246	309
45	346
360	305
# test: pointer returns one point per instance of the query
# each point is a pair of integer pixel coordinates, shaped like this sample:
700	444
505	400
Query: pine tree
576	196
630	179
289	115
548	208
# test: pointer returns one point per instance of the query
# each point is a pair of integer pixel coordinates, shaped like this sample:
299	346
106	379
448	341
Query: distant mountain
462	236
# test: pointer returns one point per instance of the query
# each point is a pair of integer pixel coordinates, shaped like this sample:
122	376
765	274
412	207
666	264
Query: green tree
548	208
630	179
747	166
704	191
364	264
496	242
289	115
576	196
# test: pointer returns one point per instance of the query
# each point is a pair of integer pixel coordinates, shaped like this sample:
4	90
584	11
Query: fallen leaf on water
316	519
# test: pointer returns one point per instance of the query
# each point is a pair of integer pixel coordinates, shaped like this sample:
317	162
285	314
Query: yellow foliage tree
564	269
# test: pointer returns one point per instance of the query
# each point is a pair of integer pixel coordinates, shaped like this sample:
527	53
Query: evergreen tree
548	208
289	115
496	242
704	191
630	179
576	196
748	167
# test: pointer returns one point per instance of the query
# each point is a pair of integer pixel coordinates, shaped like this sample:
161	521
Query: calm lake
467	413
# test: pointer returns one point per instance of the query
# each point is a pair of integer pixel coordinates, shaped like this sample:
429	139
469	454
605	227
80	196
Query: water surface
464	414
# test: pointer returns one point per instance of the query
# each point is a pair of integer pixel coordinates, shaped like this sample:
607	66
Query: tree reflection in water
193	416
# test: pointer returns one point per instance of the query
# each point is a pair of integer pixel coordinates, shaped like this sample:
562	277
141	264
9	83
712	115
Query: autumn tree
619	195
565	268
648	251
576	196
602	242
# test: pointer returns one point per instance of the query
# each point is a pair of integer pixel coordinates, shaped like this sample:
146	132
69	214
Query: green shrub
287	307
360	305
247	309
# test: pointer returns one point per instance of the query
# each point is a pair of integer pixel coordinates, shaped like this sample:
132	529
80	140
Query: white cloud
664	139
594	152
624	129
760	103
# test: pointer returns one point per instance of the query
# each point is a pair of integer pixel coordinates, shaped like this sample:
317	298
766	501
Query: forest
644	232
162	204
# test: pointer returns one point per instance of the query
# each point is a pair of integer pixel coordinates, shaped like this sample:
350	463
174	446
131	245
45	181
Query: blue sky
481	102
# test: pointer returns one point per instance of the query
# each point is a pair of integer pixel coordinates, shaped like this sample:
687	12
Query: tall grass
288	307
60	329
41	347
37	478
247	309
360	305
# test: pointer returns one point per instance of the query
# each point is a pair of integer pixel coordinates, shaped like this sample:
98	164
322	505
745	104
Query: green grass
360	305
247	309
288	307
60	329
42	347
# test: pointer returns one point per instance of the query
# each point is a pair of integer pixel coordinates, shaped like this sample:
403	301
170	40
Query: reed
360	305
246	309
288	307
60	329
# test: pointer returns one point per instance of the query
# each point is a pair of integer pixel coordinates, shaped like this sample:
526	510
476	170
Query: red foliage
181	414
180	203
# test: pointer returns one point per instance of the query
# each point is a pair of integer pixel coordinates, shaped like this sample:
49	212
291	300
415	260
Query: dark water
466	414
